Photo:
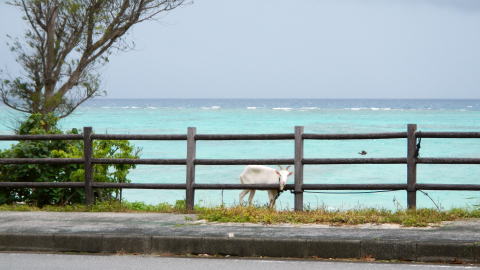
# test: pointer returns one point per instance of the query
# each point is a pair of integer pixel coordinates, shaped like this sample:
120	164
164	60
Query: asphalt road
20	261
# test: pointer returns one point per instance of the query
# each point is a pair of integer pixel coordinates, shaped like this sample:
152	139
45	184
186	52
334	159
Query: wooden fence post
88	167
191	152
411	166
298	168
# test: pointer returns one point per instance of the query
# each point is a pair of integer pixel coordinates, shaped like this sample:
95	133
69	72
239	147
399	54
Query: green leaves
47	124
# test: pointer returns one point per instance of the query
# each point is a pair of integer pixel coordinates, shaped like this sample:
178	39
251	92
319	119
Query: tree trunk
50	61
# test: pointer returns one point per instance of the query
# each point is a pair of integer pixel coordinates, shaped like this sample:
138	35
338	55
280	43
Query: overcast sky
296	49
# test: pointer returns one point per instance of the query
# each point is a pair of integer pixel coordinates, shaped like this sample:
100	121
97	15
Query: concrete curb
453	251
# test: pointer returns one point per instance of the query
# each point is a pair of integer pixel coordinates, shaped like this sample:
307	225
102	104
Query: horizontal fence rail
231	137
42	184
412	159
443	135
178	137
449	160
41	161
151	161
41	137
243	161
361	136
354	161
139	185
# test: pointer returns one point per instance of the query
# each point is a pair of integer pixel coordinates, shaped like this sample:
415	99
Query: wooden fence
298	161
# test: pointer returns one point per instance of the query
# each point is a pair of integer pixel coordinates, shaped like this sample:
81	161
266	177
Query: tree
35	124
65	42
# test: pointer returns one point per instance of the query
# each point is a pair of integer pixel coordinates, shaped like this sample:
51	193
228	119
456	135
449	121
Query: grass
263	215
410	218
112	206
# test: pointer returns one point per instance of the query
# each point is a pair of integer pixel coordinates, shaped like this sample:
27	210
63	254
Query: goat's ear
277	172
290	173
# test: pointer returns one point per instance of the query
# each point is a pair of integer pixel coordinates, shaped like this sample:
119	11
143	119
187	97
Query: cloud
462	5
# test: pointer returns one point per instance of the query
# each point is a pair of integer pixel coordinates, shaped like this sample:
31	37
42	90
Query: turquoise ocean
213	116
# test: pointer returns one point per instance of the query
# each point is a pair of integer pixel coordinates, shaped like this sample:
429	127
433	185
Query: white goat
257	174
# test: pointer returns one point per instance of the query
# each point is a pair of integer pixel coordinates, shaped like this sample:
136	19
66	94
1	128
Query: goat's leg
242	194
272	194
250	198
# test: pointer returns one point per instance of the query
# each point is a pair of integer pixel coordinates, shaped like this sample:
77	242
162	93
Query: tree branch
6	101
69	39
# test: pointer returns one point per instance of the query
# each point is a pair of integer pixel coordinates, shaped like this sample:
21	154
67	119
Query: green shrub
47	124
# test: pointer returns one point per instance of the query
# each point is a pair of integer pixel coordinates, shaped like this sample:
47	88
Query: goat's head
283	176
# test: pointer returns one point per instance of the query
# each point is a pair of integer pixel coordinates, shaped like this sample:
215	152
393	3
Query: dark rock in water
363	153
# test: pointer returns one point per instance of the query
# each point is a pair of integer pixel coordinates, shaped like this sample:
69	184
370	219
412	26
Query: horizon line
303	98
